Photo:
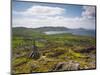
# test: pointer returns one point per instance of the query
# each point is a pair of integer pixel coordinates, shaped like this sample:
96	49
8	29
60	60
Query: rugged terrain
56	52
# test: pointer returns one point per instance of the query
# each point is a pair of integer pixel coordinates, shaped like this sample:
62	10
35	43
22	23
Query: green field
53	49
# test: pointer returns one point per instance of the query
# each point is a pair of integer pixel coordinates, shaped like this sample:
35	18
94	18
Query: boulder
64	66
86	50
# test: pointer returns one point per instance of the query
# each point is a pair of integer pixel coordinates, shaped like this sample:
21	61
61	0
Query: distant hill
44	29
22	31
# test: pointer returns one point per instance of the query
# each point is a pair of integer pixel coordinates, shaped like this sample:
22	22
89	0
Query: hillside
22	31
46	53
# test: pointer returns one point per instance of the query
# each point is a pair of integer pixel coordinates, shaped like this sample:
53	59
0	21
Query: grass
55	48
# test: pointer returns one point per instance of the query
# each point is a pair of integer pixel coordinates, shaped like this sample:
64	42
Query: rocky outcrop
86	50
62	66
35	54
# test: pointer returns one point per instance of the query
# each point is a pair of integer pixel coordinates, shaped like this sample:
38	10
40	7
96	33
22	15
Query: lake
74	32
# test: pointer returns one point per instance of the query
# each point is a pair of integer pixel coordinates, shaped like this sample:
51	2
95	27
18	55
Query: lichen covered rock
62	66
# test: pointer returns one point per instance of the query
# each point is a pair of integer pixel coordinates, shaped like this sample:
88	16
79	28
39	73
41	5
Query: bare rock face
62	66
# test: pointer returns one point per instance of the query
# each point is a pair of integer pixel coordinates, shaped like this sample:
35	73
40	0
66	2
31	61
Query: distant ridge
30	31
43	29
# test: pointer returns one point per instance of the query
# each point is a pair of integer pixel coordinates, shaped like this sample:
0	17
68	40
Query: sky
35	14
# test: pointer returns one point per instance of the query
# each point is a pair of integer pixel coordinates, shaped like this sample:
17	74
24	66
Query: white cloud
89	11
55	21
42	11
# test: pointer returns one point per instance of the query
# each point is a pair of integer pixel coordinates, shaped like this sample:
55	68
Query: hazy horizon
53	26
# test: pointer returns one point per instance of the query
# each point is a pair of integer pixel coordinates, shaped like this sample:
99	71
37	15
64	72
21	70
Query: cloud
89	12
55	21
41	11
52	16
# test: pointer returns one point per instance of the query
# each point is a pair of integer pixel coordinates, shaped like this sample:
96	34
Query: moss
57	48
19	61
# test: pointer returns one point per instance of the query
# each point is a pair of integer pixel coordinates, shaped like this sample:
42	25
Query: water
74	32
55	32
